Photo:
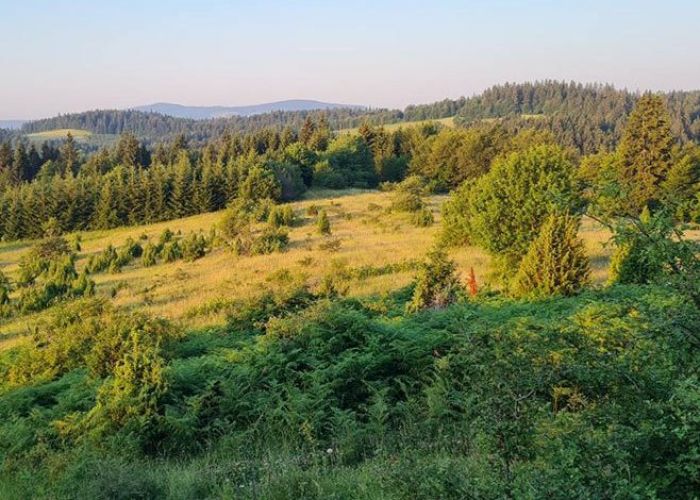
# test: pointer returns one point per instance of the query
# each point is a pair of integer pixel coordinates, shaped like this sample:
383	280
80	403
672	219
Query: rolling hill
207	112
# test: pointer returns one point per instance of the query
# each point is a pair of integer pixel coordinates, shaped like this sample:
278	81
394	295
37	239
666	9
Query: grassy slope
448	122
60	134
368	234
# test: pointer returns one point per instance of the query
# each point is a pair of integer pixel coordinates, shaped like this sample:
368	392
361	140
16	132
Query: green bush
423	218
556	262
194	247
323	224
437	284
281	216
408	195
150	254
172	251
505	208
270	240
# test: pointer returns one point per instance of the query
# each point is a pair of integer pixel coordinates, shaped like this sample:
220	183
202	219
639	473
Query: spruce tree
181	195
20	163
69	155
645	155
556	262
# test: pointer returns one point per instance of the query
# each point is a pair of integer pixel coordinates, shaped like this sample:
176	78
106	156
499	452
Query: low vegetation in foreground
303	395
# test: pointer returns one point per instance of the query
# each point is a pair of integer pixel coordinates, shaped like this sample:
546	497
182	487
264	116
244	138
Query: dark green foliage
260	183
652	249
556	262
281	216
408	195
588	117
323	224
172	251
592	396
270	240
505	208
291	181
437	284
347	163
645	155
194	246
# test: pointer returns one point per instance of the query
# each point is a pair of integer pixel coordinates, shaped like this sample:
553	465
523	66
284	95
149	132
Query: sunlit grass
60	134
447	122
369	235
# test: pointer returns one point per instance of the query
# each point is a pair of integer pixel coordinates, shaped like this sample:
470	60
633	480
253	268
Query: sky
60	56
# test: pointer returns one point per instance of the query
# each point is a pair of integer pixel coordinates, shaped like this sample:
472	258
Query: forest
320	305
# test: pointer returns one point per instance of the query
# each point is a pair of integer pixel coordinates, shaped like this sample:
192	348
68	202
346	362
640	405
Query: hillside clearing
196	293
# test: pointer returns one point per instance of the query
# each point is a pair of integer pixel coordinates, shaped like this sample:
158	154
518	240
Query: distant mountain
12	124
207	112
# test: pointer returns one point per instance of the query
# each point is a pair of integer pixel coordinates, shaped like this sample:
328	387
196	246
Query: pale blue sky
59	56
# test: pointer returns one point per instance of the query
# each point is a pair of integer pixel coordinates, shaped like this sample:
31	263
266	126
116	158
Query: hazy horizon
64	57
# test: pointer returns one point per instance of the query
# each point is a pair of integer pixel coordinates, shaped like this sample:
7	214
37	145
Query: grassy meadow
390	127
48	135
197	293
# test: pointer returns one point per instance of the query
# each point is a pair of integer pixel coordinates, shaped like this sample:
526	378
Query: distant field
191	292
448	122
60	134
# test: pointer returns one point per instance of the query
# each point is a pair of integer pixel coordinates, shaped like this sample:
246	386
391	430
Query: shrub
5	289
408	195
102	261
260	183
194	247
281	216
556	262
437	284
88	333
331	245
171	251
323	224
166	236
269	241
150	254
423	217
506	207
59	281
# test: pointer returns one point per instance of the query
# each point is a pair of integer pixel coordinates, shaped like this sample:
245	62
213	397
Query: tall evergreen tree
69	155
181	195
645	154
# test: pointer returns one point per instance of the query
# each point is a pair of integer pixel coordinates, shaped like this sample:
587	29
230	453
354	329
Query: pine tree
556	262
645	154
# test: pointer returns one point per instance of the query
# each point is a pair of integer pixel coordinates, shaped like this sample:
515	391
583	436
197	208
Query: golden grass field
77	134
184	291
447	122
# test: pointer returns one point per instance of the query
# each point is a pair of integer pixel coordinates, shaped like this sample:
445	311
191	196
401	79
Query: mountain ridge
218	111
